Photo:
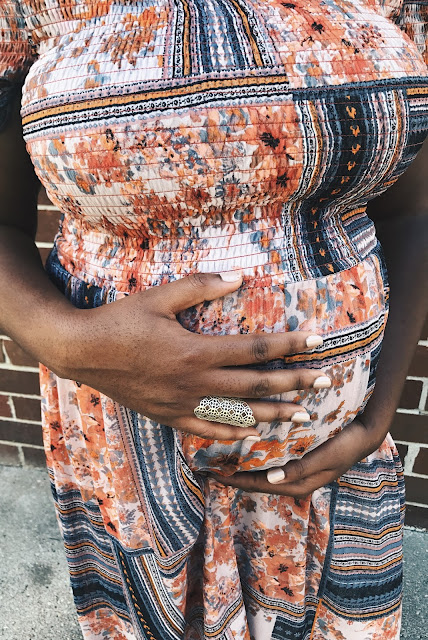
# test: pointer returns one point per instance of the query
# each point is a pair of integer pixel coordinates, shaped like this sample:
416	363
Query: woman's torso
193	135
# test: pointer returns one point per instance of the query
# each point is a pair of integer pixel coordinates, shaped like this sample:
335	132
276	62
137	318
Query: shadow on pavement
35	596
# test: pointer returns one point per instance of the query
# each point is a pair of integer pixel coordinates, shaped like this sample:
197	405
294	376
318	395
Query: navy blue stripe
213	94
163	522
231	16
367	592
91	590
144	598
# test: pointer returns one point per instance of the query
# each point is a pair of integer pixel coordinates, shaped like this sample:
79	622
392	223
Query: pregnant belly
349	310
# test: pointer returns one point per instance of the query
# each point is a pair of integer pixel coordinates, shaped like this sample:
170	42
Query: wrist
51	336
61	353
377	424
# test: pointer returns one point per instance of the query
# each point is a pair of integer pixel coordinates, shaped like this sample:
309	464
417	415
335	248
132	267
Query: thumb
199	287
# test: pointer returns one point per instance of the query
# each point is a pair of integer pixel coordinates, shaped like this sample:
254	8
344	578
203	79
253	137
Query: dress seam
329	551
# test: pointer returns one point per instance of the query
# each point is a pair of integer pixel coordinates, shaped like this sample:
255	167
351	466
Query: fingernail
314	341
253	438
323	382
231	276
275	475
300	416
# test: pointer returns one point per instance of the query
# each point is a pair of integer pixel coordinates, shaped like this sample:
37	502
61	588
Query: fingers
213	430
232	350
263	412
294	471
278	412
335	456
253	383
257	482
301	477
257	348
197	288
299	481
327	458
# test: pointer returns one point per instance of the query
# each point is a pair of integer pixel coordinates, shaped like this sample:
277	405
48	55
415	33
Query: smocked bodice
219	135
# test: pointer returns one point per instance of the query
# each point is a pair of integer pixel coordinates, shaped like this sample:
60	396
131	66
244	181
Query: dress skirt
189	136
159	550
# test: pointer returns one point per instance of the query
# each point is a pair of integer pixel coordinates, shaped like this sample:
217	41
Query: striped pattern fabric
183	136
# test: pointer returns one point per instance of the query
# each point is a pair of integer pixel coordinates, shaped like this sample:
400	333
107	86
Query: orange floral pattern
193	136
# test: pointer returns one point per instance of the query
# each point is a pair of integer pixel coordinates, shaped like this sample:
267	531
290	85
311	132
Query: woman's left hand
317	468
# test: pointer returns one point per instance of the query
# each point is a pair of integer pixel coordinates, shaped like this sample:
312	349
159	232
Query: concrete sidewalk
35	597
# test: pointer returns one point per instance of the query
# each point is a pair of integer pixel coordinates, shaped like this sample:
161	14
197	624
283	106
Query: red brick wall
20	433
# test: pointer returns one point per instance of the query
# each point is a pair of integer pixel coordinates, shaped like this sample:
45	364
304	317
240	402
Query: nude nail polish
300	416
231	276
253	438
275	476
322	382
314	341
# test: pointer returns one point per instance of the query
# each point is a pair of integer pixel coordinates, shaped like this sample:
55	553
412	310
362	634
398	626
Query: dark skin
400	215
155	366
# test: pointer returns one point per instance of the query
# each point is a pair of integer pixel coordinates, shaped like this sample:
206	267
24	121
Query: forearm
405	249
33	312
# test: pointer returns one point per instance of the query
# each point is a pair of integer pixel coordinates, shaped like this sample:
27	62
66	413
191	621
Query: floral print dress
183	136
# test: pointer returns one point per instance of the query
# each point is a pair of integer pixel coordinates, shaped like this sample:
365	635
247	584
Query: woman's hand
326	463
136	352
401	216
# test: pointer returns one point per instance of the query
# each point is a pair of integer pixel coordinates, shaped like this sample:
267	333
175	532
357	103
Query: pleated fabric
183	136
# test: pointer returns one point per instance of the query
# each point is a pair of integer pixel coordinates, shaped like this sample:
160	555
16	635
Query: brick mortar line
21	456
416	504
48	207
22	444
20	421
11	407
412	474
424	395
5	354
6	366
406	442
409	460
411	412
29	396
44	245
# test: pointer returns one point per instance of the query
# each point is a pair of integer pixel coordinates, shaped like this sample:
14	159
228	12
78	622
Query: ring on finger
233	411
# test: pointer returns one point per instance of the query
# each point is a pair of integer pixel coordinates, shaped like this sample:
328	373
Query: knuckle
292	341
207	433
190	358
297	470
249	481
260	348
198	280
260	388
279	412
300	469
235	433
172	407
300	381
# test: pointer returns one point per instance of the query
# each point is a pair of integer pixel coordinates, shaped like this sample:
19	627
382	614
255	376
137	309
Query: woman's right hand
136	352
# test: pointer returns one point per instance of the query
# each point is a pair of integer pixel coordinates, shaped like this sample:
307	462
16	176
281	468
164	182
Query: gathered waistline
270	253
85	294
